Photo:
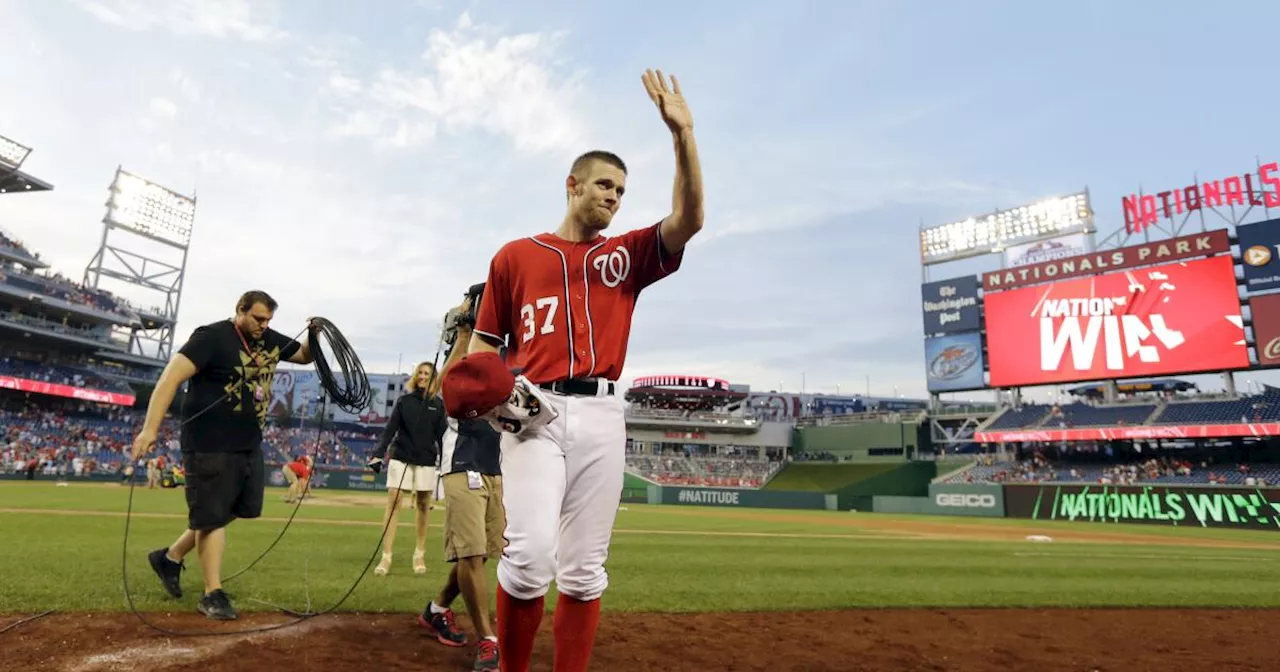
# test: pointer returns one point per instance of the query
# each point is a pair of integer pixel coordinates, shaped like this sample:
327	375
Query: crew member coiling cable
235	400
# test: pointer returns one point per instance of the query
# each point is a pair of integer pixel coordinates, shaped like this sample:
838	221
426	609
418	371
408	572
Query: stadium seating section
703	470
1163	471
1259	408
1264	407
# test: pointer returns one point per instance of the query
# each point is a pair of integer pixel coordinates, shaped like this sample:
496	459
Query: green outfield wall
868	440
895	504
825	476
635	490
910	479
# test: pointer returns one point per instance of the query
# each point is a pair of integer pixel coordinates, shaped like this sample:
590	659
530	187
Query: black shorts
222	487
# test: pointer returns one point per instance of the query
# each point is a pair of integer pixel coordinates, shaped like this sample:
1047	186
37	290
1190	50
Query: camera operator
474	515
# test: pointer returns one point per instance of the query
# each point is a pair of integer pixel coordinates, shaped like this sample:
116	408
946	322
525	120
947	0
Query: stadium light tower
156	222
12	154
994	232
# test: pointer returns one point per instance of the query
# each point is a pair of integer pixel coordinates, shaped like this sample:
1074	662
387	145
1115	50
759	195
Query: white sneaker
384	566
419	563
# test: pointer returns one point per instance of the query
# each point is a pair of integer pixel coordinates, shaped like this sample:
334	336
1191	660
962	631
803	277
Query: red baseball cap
476	384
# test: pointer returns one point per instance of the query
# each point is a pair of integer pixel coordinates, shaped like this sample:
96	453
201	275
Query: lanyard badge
258	393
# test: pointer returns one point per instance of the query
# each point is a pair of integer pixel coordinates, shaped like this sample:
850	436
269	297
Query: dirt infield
891	639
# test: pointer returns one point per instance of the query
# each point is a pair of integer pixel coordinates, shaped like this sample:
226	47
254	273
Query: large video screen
1177	318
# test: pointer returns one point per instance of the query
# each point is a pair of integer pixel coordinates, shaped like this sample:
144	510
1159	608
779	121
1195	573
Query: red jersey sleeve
650	259
493	319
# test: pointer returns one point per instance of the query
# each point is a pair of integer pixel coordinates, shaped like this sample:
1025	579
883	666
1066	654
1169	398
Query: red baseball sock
575	631
518	622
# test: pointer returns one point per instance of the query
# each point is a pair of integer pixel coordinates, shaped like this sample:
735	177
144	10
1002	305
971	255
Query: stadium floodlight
145	207
12	154
992	233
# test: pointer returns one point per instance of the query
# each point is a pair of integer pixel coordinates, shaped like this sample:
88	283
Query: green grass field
60	548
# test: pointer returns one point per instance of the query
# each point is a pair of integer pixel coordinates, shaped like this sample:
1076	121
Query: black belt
589	387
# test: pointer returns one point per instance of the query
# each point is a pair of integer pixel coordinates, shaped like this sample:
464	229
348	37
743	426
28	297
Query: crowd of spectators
14	245
1164	469
61	287
733	467
65	437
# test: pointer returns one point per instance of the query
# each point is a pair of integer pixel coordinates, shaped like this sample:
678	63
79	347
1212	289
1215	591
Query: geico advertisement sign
964	500
1175	318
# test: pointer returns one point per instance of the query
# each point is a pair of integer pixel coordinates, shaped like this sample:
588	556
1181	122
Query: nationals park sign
1173	249
1143	211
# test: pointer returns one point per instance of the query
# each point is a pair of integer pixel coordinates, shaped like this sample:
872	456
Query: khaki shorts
474	520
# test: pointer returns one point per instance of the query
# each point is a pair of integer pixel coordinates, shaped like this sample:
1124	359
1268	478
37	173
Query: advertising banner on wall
297	393
954	362
1239	508
1171	319
965	499
1106	261
1214	431
69	391
1062	247
1260	254
950	305
1266	328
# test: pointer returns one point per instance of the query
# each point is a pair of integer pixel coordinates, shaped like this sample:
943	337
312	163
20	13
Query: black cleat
217	605
170	572
441	625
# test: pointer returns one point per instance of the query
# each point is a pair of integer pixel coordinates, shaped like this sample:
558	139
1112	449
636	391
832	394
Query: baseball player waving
562	303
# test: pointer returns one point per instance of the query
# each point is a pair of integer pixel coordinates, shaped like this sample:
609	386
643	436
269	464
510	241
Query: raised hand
669	99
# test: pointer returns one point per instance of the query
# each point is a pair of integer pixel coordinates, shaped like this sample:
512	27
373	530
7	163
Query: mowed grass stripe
73	562
78	567
406	521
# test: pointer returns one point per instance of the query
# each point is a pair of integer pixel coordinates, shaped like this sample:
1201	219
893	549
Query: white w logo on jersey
614	267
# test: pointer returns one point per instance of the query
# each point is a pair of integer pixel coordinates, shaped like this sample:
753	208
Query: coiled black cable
353	394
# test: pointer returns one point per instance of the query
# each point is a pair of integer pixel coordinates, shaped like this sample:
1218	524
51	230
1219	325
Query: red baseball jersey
301	469
563	308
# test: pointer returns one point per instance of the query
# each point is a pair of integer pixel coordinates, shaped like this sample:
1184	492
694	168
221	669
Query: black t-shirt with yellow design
227	400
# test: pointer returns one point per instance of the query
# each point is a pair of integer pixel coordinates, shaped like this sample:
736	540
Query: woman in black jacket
416	427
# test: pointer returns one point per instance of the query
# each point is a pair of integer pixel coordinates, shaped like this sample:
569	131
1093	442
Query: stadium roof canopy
18	182
1132	386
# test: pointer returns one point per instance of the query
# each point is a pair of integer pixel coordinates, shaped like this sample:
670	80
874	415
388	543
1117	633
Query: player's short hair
249	298
581	163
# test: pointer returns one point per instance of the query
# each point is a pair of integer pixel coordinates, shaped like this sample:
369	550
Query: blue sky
364	165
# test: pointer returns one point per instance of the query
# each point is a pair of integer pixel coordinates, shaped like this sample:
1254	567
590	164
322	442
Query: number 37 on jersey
564	309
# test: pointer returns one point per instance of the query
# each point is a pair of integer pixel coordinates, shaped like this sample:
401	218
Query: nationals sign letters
1184	247
1176	318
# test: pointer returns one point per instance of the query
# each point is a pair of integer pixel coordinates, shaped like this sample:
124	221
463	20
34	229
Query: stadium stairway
1150	419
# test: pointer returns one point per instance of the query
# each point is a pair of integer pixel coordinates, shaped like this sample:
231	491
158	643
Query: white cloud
186	84
236	19
507	86
344	85
164	108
